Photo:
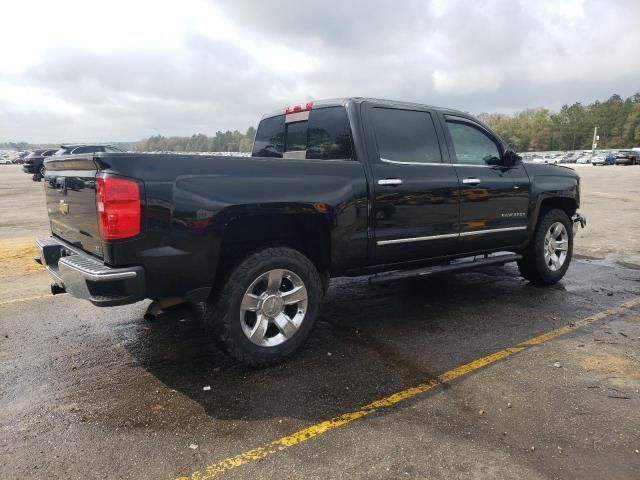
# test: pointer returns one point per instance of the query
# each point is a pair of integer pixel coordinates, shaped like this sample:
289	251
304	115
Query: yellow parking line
25	299
319	428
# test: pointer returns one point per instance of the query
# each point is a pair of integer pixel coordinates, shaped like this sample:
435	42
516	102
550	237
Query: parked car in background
628	157
603	158
84	148
584	158
19	157
33	162
569	157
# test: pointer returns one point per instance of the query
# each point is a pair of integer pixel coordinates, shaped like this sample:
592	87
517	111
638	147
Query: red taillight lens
300	107
119	212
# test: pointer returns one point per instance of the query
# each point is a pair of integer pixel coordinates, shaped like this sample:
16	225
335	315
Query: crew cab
344	187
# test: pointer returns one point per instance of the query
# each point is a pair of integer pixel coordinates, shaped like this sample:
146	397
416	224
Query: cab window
323	135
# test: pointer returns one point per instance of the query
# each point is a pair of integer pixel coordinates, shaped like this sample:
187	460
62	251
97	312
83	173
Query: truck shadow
369	342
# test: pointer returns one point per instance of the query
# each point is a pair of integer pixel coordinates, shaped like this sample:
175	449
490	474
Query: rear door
494	200
71	200
415	192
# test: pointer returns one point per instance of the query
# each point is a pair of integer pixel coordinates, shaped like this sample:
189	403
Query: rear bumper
86	277
579	220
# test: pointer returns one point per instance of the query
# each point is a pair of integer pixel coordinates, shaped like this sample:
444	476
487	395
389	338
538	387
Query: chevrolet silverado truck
344	187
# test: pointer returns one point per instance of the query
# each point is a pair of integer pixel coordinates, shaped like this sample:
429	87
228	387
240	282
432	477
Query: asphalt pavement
474	375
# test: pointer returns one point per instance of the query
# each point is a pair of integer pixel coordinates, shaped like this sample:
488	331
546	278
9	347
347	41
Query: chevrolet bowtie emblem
63	207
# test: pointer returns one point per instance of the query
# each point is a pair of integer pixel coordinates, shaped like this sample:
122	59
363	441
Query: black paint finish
190	202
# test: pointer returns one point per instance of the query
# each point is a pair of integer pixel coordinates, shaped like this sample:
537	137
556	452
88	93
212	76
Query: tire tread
219	314
532	265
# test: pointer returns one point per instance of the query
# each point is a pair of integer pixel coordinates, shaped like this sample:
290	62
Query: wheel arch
306	233
569	205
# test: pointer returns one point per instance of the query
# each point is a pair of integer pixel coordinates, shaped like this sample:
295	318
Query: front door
415	207
494	198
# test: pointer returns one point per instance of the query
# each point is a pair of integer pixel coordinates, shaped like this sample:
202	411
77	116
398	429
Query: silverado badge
63	207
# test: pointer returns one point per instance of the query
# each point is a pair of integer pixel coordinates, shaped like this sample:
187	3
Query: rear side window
323	135
405	136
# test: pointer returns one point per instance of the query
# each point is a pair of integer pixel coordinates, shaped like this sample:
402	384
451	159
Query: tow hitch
578	219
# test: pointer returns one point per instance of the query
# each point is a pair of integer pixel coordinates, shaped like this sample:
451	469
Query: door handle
390	181
471	181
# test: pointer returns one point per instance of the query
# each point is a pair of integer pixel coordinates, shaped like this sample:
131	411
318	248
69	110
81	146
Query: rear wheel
549	253
267	308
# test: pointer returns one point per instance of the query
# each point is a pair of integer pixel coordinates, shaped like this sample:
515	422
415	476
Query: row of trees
571	128
222	142
18	146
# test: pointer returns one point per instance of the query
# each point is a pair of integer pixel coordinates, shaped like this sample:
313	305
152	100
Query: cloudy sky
123	70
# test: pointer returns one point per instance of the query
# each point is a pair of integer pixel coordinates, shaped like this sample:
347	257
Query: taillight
300	107
119	212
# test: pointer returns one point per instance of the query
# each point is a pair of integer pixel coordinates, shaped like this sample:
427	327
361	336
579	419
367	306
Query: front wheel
267	308
549	253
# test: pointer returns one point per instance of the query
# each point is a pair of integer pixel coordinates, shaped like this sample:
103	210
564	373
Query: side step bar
450	267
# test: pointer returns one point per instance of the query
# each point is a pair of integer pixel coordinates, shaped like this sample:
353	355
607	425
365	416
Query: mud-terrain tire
548	255
252	295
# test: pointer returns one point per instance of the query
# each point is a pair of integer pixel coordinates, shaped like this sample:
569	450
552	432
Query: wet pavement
101	393
95	393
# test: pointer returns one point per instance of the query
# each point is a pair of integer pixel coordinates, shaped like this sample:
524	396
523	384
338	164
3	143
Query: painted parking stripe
25	299
313	431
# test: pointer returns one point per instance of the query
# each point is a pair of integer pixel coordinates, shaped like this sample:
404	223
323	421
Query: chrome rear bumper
84	276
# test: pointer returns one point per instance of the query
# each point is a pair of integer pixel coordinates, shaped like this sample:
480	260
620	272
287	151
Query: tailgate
70	186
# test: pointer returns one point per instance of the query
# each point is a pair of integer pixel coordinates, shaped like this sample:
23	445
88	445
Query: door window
83	150
405	136
472	146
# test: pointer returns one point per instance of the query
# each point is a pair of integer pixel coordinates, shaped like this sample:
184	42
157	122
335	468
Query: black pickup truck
342	187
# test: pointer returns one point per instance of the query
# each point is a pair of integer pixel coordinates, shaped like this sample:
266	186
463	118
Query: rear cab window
318	134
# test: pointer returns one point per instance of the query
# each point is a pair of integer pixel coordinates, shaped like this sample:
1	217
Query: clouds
131	69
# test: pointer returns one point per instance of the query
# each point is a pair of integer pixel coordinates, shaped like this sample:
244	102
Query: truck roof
341	102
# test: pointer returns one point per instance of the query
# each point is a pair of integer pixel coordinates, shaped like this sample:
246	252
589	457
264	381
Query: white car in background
584	158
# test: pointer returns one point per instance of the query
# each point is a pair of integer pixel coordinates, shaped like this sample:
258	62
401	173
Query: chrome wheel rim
273	307
556	246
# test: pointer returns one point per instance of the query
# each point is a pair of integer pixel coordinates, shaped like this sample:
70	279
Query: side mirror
510	158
